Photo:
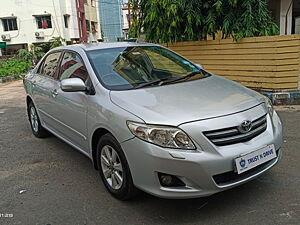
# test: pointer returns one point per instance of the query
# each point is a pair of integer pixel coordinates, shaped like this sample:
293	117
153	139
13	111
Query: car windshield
136	67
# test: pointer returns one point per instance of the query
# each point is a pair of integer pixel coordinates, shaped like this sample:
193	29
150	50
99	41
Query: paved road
63	188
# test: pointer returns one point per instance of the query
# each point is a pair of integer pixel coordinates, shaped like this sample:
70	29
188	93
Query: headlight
269	106
163	136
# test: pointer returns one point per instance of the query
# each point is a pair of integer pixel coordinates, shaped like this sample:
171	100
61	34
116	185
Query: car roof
103	45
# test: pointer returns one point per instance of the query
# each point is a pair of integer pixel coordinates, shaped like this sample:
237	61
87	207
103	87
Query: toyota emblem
245	126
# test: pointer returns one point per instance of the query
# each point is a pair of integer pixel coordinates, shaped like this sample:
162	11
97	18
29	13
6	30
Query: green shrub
14	66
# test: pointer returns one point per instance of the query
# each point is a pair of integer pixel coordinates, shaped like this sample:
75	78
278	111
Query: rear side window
72	67
50	64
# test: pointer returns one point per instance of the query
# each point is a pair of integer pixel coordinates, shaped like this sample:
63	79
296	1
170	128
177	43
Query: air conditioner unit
39	34
5	37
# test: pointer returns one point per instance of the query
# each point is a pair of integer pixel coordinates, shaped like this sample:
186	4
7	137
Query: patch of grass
14	66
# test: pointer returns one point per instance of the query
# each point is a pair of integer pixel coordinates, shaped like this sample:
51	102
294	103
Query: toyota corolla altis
150	119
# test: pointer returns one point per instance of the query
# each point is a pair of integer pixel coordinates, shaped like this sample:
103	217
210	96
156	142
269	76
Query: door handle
54	93
33	83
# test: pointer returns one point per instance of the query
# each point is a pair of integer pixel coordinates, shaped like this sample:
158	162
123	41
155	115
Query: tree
179	20
56	42
36	52
33	55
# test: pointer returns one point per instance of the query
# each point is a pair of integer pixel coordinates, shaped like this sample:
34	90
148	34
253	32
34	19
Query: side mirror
72	85
200	66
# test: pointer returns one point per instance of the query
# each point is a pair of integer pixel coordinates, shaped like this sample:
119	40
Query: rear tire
114	169
35	123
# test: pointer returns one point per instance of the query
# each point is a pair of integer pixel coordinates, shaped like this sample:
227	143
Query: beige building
92	20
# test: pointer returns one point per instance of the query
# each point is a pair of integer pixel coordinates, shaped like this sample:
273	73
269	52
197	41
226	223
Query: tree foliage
36	52
178	20
56	42
33	55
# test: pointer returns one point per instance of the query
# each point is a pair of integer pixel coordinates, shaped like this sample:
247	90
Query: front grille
232	135
230	177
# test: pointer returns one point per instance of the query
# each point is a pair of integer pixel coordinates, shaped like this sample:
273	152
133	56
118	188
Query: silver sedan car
151	120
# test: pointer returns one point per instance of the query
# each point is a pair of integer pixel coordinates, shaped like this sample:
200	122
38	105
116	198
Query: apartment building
111	20
92	25
26	22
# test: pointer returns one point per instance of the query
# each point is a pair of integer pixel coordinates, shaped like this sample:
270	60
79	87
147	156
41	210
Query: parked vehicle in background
150	119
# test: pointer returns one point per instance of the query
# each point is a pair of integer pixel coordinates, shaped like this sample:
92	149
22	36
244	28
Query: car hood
174	104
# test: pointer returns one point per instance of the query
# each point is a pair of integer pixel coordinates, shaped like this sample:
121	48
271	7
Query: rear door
71	107
45	88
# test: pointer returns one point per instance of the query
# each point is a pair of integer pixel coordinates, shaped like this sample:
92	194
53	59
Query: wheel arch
28	100
98	133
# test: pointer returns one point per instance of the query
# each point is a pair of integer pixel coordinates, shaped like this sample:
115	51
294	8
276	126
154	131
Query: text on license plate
253	159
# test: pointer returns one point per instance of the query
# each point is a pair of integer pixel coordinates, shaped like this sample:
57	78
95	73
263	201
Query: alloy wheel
111	167
34	119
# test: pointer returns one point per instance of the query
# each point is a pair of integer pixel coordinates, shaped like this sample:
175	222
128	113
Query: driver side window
72	67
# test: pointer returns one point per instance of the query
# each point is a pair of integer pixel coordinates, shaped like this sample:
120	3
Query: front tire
35	123
114	169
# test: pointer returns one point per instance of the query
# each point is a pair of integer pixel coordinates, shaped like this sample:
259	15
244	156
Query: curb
284	98
11	78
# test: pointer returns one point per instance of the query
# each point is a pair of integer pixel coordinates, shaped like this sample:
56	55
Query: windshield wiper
163	81
150	83
191	74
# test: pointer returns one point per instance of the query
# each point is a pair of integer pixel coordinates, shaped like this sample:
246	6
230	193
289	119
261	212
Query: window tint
50	64
72	67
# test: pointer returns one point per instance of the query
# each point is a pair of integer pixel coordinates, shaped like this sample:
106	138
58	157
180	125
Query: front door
71	107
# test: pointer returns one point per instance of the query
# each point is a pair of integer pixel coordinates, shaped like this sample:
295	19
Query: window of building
72	67
88	26
66	20
10	24
94	26
43	22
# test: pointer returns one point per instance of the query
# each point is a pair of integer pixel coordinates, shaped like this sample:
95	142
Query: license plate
253	159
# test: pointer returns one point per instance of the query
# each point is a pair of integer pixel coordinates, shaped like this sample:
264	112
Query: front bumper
197	169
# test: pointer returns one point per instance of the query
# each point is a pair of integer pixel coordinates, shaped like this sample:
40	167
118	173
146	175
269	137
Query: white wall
125	20
286	13
98	19
24	11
